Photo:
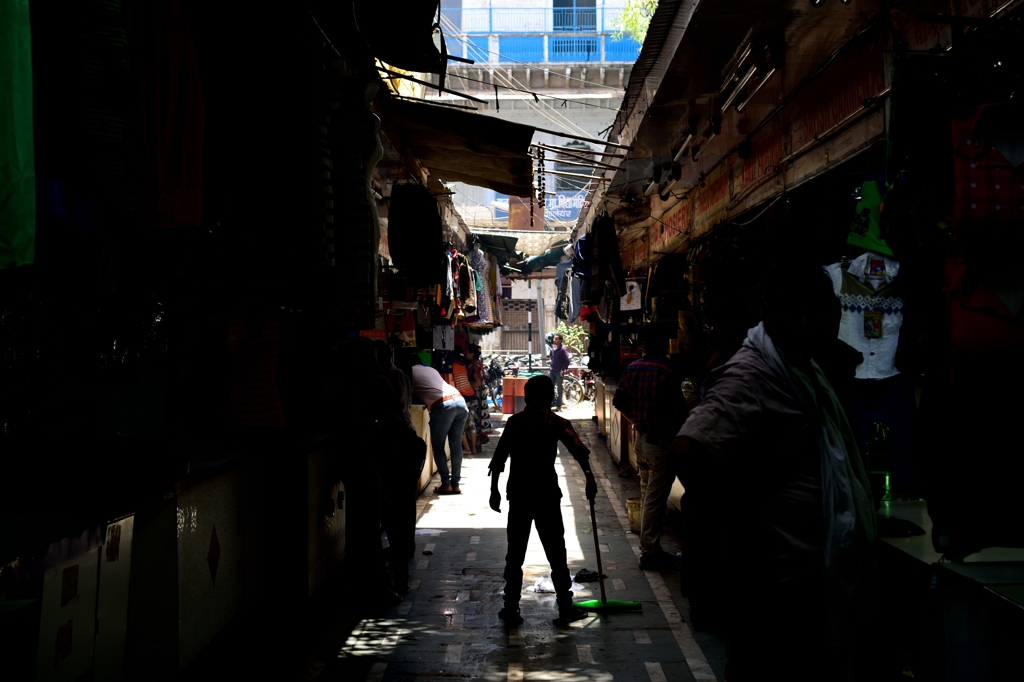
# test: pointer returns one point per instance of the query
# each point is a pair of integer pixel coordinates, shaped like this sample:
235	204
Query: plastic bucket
634	508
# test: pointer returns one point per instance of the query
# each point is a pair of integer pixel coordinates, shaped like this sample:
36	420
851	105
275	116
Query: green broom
604	604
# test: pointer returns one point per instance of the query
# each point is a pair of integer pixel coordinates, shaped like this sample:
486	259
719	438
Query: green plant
634	19
574	336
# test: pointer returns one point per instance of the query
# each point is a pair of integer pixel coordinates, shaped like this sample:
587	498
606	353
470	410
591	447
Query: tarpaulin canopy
549	258
503	248
459	146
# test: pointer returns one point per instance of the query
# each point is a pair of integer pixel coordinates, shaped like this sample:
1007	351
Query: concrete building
557	65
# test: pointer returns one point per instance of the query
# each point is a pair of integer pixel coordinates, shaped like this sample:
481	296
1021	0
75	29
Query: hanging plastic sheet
17	154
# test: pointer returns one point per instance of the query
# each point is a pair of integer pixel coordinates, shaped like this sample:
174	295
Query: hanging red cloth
168	150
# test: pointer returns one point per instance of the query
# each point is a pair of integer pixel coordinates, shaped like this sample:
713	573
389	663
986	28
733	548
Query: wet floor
447	627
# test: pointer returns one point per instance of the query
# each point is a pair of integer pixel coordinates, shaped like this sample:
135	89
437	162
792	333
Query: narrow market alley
447	627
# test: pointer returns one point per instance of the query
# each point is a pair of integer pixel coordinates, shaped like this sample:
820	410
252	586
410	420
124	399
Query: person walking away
560	361
785	509
650	394
531	439
448	414
463	377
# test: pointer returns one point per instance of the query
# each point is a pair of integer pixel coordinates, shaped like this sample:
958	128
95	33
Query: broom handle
597	546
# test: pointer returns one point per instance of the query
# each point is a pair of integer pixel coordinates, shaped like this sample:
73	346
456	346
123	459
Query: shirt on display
872	311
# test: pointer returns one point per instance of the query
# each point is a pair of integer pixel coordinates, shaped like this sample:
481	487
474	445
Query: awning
549	258
503	248
459	146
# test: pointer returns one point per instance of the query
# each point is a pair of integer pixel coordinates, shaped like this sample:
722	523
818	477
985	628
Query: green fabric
17	156
865	232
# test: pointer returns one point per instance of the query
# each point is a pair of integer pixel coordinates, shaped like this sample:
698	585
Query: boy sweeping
533	493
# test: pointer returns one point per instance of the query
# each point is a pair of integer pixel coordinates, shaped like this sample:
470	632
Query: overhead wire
528	92
497	73
455	31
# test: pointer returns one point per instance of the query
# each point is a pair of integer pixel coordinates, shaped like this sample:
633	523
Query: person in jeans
531	438
651	395
448	414
559	363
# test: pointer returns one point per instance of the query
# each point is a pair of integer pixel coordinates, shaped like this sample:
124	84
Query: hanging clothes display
170	116
479	262
988	161
872	311
562	274
575	296
17	159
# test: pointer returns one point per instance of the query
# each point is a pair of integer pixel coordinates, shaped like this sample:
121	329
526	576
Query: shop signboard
848	143
757	177
833	96
671	228
500	206
712	199
564	205
839	92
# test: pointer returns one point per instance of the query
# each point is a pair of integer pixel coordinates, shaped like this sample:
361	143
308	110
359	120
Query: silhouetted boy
531	437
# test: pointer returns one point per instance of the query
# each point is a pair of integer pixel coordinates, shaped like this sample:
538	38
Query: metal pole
529	328
540	321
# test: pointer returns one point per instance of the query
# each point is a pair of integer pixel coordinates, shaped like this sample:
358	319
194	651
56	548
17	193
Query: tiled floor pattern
447	627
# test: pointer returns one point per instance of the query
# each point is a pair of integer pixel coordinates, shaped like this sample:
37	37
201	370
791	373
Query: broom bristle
609	605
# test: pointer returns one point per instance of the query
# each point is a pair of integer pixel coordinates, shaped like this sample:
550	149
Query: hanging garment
469	302
407	333
443	337
562	274
415	233
988	160
480	263
575	296
632	300
872	311
583	256
17	155
170	116
607	257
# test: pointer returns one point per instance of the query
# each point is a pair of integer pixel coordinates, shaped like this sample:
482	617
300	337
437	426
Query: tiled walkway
447	626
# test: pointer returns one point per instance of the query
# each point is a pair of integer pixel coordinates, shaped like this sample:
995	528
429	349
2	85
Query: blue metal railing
624	49
497	20
574	49
521	48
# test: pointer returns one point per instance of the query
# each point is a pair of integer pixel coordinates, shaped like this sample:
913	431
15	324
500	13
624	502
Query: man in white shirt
448	415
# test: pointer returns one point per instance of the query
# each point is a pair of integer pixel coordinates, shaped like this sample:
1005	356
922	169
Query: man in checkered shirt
651	395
